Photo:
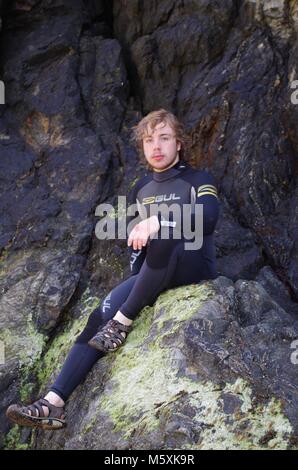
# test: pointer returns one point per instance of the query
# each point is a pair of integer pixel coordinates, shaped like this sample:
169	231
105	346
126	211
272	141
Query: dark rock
192	375
78	75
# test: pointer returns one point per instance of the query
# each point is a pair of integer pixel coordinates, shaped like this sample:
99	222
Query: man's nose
156	143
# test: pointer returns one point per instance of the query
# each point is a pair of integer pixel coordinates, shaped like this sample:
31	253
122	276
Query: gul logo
134	257
160	198
2	92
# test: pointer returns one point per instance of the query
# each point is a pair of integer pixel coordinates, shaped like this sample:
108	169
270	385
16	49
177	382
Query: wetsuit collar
170	173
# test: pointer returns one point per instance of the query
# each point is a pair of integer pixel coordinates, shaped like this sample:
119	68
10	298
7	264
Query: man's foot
110	337
41	414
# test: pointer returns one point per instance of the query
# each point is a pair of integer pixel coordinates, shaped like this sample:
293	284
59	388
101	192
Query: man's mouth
157	157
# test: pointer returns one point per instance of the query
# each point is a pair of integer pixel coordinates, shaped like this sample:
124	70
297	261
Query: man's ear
178	145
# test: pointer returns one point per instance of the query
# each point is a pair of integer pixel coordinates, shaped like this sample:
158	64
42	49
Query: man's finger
131	237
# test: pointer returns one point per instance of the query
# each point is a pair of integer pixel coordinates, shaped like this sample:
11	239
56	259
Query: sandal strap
114	324
111	333
115	334
36	410
54	411
108	343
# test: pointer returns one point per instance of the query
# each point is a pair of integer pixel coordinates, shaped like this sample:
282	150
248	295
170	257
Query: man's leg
167	265
155	276
78	363
82	357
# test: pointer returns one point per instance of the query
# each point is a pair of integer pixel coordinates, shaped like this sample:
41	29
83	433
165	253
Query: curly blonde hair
140	130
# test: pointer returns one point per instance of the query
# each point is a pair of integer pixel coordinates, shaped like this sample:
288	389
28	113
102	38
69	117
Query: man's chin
159	164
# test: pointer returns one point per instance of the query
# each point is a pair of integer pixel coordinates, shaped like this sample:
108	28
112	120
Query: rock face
78	74
207	367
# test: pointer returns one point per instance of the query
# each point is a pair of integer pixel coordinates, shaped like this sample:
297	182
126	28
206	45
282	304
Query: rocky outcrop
226	70
77	76
207	367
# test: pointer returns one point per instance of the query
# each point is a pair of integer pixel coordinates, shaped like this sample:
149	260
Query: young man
157	263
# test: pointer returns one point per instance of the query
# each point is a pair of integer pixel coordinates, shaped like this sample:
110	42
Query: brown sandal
55	420
109	335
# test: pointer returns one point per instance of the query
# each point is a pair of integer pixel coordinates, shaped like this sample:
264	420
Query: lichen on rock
159	391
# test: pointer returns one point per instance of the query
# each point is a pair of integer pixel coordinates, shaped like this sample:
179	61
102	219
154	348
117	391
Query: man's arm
203	191
136	257
206	194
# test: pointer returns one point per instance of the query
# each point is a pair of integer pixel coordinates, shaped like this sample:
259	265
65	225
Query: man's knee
160	251
106	308
94	321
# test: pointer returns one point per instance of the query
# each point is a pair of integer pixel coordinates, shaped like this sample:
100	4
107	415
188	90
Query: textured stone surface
78	74
208	366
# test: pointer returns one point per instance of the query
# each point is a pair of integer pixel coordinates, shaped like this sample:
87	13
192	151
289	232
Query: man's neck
168	167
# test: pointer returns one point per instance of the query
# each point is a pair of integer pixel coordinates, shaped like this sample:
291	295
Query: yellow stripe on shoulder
209	193
207	186
213	191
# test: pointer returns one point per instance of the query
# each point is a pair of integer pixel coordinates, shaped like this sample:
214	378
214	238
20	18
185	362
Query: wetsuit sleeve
203	191
206	194
136	257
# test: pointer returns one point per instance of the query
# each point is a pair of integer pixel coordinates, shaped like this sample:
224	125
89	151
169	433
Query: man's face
161	147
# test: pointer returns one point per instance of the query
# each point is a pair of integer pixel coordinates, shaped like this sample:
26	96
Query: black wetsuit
160	265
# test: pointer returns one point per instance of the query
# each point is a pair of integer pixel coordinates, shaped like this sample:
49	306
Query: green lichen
27	347
245	429
3	256
90	425
26	388
145	385
31	364
143	363
179	305
13	440
133	182
241	389
9	260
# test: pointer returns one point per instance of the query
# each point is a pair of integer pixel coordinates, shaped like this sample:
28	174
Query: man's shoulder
139	182
197	175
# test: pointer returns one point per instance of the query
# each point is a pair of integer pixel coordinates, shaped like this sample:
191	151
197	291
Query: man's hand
142	231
